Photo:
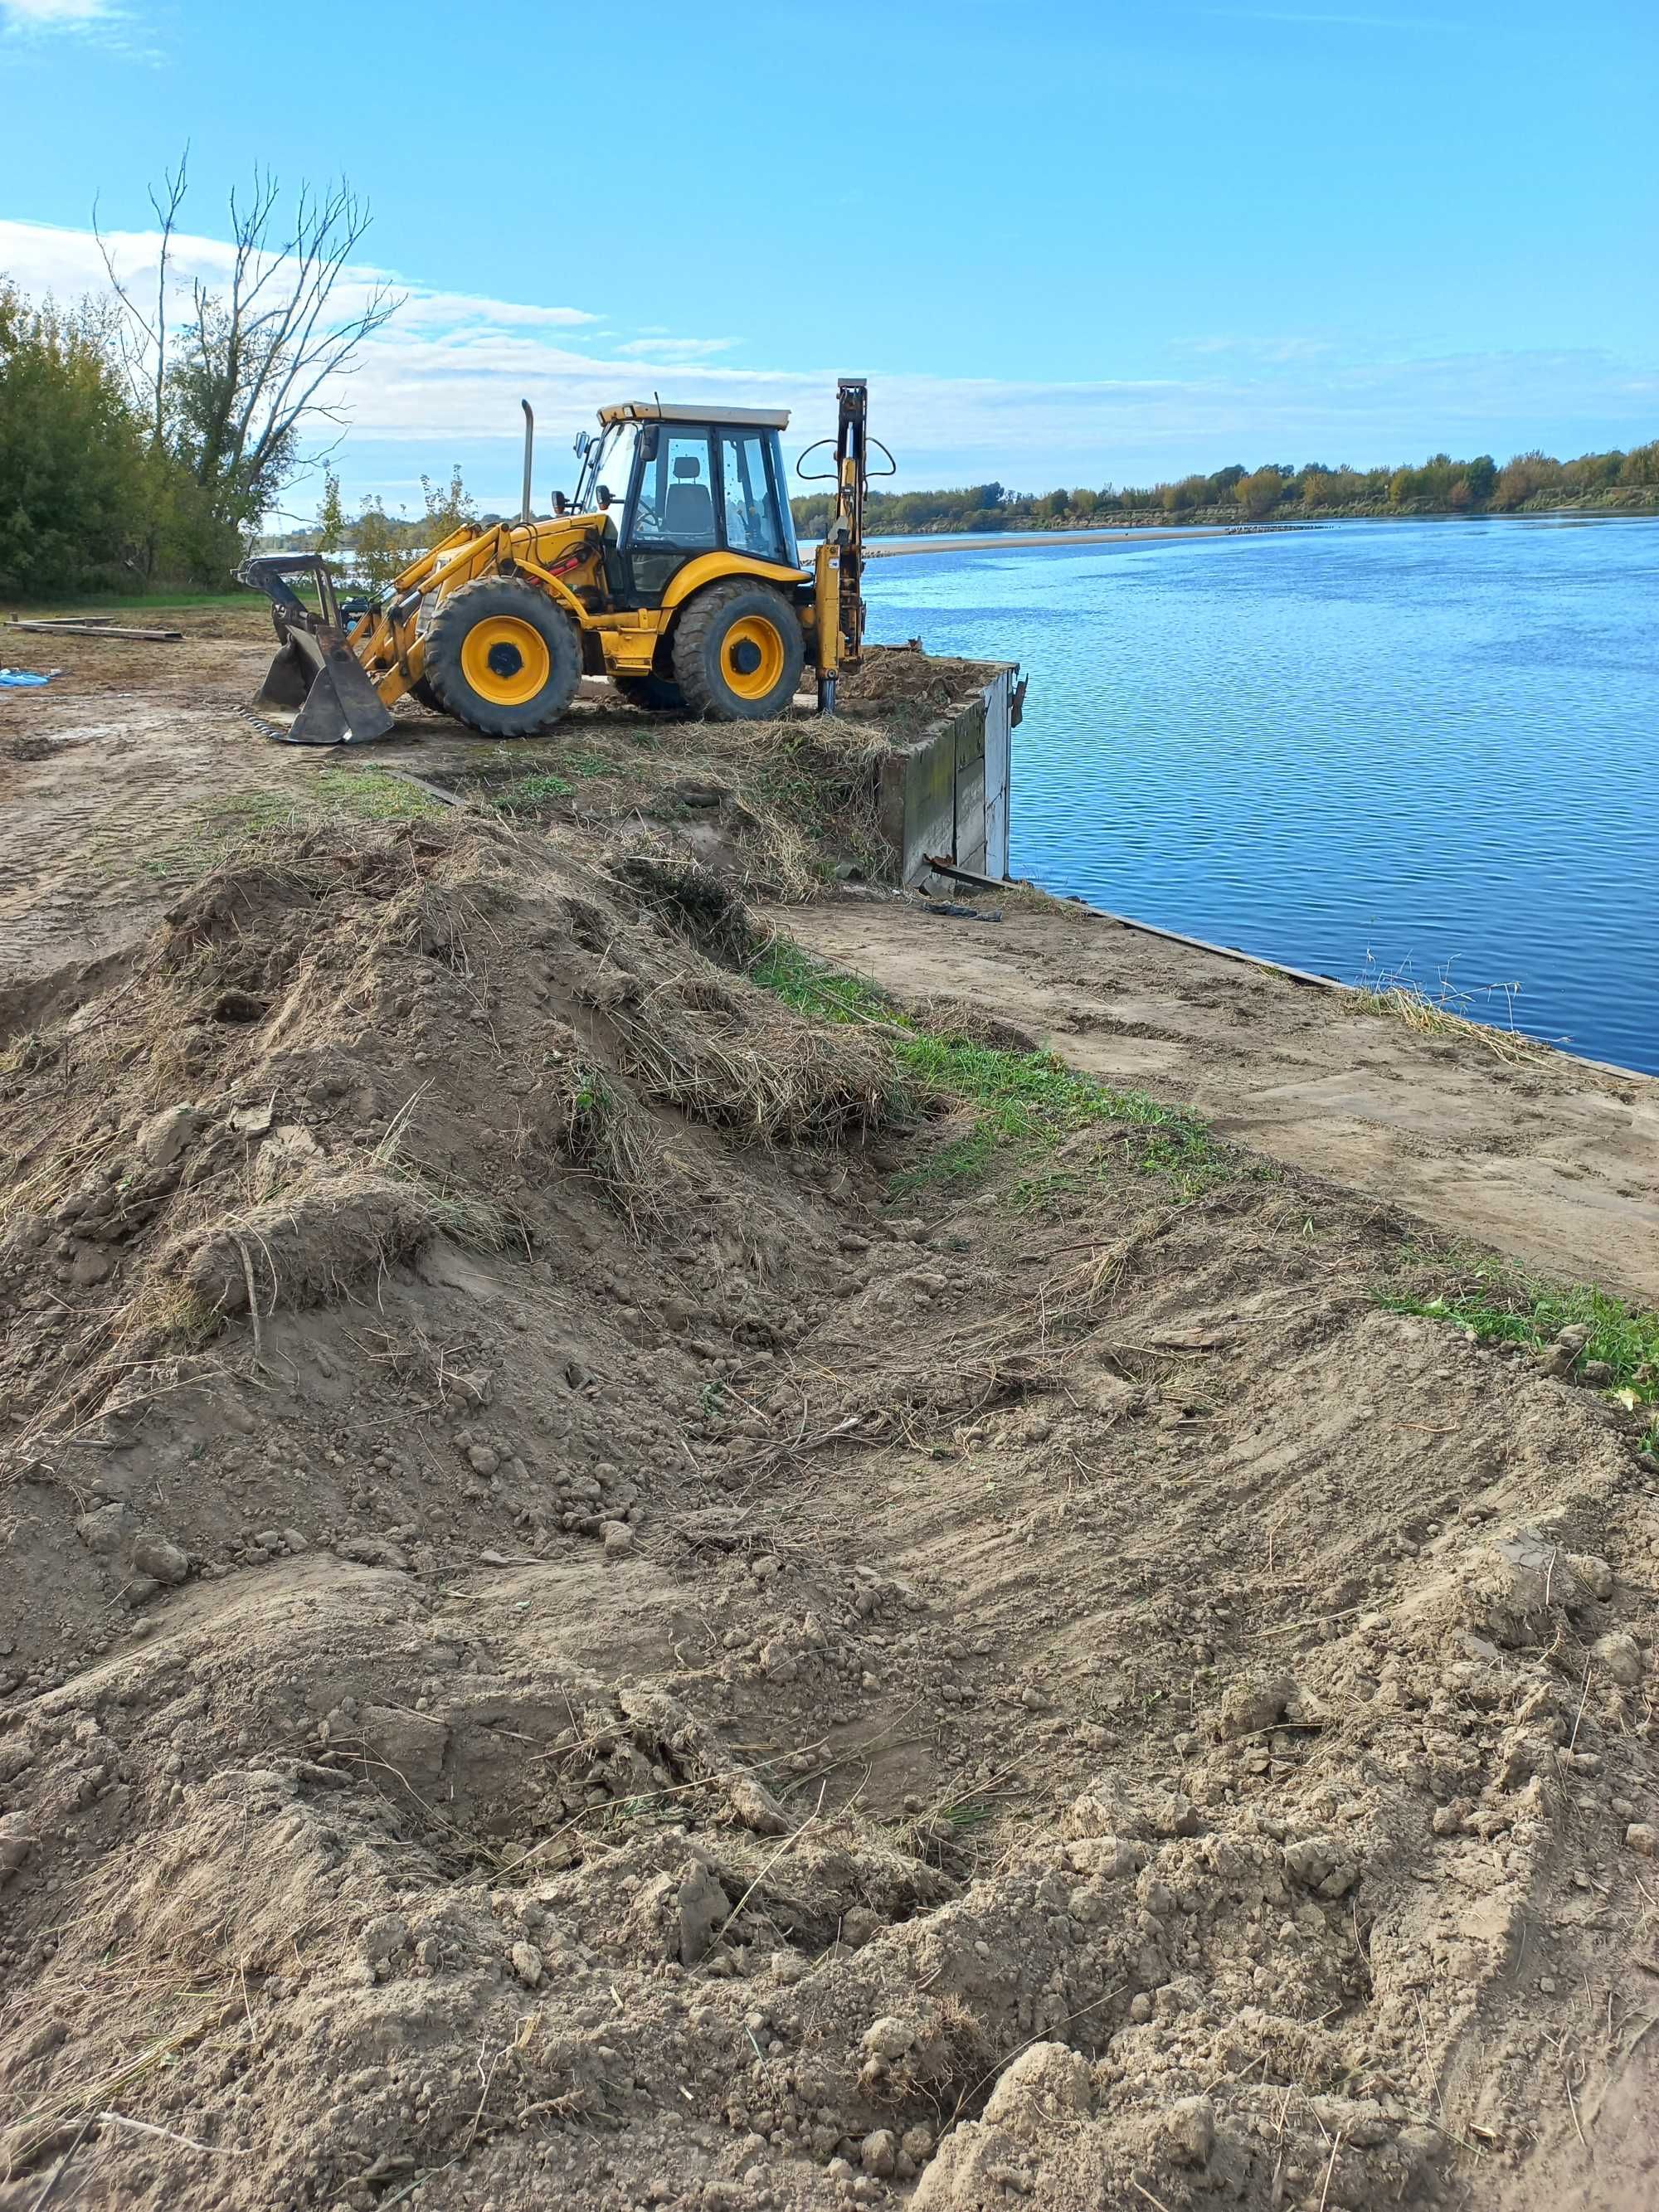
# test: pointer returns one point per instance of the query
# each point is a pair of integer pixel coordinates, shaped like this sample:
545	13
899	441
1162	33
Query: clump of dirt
906	689
774	808
591	1622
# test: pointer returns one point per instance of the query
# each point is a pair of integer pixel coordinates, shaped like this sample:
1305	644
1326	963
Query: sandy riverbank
637	1575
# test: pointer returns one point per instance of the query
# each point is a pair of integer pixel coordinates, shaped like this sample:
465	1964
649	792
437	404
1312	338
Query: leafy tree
448	506
1259	493
1523	478
1441	483
72	452
330	516
383	544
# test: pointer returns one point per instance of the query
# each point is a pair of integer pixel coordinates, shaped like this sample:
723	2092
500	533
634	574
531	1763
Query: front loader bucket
342	706
314	669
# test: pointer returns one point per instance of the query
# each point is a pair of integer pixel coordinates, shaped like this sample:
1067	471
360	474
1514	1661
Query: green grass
105	602
373	794
1027	1101
1503	1304
365	794
535	789
528	795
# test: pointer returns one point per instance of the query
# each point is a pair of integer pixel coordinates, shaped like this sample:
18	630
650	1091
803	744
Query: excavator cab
684	484
674	573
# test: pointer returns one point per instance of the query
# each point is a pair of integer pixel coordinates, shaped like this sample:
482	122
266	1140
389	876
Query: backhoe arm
840	602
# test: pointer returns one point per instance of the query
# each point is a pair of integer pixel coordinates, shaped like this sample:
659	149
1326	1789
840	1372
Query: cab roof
658	410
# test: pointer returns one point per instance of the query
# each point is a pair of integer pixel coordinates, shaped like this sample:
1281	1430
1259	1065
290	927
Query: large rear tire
739	653
503	657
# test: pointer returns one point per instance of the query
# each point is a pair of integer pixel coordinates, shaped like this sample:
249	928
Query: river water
1413	750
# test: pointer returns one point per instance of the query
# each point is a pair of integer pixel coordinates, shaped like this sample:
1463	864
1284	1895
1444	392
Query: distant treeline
1440	486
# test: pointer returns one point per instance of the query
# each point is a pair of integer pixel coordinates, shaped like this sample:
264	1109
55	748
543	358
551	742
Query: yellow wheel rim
505	660
751	657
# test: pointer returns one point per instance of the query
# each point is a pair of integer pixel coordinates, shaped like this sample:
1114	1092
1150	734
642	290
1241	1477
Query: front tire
503	657
739	653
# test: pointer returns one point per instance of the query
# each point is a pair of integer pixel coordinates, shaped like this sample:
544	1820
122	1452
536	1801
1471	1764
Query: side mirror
649	438
602	497
560	502
584	439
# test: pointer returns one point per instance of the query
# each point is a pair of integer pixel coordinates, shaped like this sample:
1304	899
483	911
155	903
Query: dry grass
606	1134
762	1073
1444	1013
691	897
785	798
86	2100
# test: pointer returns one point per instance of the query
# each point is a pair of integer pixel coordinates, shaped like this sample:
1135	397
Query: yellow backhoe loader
674	572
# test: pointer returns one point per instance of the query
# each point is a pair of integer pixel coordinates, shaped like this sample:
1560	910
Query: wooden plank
99	629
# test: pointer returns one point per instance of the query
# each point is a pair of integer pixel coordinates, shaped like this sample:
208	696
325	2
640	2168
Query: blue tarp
25	679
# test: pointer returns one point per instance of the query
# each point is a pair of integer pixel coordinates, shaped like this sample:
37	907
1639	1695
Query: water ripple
1370	748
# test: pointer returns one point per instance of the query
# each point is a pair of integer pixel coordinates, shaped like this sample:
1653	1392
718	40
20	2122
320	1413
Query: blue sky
1067	243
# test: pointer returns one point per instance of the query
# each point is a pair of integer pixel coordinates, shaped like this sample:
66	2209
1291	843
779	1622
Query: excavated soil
583	1628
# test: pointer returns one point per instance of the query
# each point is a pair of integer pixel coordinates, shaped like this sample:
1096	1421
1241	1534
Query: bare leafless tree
140	337
232	386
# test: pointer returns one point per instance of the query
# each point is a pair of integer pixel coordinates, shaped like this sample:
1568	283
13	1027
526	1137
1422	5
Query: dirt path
127	778
1543	1156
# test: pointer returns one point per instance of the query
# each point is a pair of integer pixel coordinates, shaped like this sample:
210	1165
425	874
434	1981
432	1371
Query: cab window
611	463
676	502
752	524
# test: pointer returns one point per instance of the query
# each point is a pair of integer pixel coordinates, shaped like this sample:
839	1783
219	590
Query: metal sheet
998	746
968	848
929	802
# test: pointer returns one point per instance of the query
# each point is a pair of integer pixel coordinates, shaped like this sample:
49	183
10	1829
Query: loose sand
591	1620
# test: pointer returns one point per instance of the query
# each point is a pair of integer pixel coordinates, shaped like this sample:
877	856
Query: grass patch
528	795
1024	1100
1503	1304
533	790
358	794
375	795
829	803
105	602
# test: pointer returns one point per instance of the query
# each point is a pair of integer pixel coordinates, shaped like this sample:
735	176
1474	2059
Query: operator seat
689	511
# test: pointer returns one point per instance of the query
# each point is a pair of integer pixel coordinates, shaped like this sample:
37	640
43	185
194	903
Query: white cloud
56	14
659	347
1279	349
448	373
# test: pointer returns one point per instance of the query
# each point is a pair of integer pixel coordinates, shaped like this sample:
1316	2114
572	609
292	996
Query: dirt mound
605	1608
905	677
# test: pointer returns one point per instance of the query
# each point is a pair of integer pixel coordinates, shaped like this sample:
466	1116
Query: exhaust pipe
529	450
